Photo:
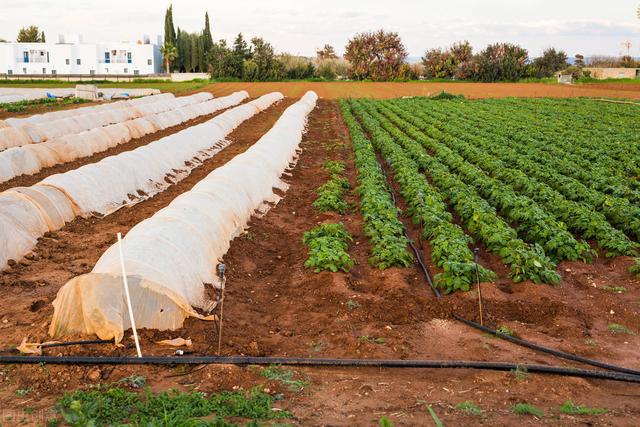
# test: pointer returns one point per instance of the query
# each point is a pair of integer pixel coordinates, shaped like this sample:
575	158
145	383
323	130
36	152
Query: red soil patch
335	90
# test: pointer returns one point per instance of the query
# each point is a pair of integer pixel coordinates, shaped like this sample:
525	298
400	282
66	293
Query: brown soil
27	180
335	90
276	307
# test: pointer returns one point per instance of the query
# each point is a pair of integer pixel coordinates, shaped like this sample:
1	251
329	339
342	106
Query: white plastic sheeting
32	158
55	115
27	213
26	133
170	256
141	173
16	94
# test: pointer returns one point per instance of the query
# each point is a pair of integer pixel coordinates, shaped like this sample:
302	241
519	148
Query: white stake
125	282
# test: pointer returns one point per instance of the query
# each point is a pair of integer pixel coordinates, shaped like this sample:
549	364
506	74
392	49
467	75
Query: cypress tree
169	30
207	40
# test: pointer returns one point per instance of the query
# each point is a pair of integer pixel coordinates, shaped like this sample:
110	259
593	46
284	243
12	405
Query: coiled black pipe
557	353
297	361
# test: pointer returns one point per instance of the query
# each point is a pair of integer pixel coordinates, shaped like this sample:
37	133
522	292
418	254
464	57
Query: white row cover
170	256
61	114
27	133
9	95
103	187
31	158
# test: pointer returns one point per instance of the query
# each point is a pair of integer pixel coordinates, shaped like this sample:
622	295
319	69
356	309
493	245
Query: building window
24	70
128	57
67	61
107	58
126	70
25	56
149	62
78	61
54	72
106	70
92	72
10	72
44	71
47	57
136	72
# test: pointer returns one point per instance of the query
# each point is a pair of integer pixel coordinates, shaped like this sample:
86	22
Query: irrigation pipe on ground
294	361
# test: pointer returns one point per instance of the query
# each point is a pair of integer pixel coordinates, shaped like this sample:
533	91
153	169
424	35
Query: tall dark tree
207	40
169	29
240	53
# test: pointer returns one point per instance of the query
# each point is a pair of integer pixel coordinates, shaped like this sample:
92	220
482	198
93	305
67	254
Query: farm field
337	90
547	189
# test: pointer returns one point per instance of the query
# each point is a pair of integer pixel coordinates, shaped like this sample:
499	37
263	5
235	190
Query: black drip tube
421	263
547	350
295	361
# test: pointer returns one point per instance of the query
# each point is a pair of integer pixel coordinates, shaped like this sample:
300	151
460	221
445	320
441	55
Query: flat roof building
71	56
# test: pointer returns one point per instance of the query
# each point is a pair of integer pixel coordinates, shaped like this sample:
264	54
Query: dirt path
27	180
335	90
276	307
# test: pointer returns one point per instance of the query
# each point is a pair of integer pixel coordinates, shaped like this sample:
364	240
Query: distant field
335	90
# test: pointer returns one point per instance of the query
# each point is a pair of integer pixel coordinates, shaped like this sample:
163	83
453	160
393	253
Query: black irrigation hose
421	263
557	353
296	361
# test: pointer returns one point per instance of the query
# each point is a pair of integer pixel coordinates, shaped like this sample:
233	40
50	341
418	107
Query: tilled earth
276	307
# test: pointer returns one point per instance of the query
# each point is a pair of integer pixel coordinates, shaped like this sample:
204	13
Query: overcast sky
299	27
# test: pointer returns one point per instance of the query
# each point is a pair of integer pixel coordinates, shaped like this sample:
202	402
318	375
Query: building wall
79	59
614	73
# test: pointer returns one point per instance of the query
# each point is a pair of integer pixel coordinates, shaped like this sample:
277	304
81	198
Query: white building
70	56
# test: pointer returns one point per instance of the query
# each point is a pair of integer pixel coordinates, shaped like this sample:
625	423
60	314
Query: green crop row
480	218
328	244
529	158
380	214
449	244
331	194
578	217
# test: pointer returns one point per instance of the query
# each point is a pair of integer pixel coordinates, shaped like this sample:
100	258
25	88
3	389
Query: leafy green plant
352	305
469	407
116	406
505	330
527	409
379	212
570	408
331	195
372	340
21	392
334	167
328	244
276	373
616	328
385	422
520	373
433	414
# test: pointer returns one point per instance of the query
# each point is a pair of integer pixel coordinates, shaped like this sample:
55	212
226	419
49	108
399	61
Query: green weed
569	407
527	409
616	328
276	373
469	407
